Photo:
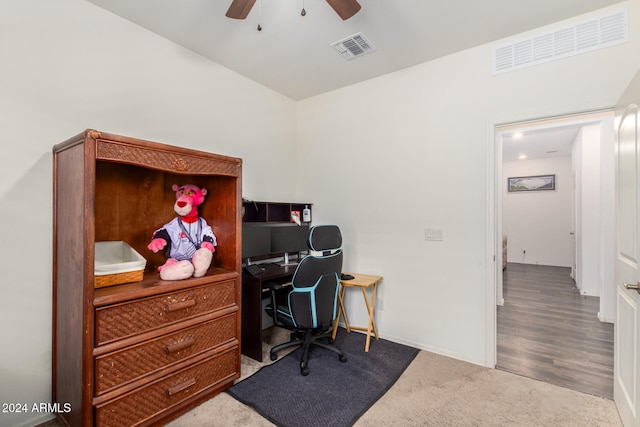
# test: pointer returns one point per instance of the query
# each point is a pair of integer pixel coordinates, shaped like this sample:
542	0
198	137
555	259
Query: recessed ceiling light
522	156
517	135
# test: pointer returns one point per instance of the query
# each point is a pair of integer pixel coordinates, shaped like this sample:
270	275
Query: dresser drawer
142	404
120	367
134	317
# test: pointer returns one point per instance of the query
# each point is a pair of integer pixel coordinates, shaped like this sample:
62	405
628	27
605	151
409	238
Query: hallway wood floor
548	331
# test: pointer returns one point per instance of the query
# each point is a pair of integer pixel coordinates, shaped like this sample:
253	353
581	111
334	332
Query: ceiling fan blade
345	8
239	9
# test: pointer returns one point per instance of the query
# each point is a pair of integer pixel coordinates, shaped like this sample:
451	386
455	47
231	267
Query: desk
253	292
363	282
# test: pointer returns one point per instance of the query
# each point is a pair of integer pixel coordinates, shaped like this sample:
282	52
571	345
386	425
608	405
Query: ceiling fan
239	9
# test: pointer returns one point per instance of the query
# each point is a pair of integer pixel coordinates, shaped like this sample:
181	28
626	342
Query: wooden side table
363	282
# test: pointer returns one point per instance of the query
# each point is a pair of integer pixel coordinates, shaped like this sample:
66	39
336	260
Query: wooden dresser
145	352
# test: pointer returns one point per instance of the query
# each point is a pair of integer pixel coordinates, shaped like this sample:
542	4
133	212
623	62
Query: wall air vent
353	46
597	32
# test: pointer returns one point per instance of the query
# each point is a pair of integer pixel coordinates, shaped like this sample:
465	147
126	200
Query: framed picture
532	183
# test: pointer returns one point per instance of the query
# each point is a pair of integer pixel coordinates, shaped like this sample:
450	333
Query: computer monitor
289	238
256	240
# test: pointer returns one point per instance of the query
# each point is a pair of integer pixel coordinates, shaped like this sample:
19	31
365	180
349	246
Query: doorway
570	224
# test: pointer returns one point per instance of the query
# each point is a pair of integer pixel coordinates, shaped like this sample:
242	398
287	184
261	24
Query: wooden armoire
145	352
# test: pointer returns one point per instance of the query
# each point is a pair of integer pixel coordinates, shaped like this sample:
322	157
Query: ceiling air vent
595	33
352	46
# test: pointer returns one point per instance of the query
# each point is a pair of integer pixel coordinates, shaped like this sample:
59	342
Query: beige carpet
439	391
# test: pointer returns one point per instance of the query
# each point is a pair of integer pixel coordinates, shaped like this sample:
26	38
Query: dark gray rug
334	393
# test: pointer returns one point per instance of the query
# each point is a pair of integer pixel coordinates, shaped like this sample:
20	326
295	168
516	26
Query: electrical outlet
380	304
433	234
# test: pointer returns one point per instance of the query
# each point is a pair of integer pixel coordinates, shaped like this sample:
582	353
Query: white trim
492	258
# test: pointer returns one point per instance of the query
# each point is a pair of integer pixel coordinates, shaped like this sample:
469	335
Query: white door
627	269
572	233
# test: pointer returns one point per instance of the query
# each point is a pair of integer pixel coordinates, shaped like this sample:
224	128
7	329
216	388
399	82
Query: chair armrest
275	286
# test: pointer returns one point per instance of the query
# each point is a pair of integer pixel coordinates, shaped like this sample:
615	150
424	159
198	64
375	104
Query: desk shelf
270	212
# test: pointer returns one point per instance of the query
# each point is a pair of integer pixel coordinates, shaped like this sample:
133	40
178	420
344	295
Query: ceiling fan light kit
239	9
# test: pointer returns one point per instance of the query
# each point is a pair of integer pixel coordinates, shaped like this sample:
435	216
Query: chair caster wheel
304	369
273	357
343	358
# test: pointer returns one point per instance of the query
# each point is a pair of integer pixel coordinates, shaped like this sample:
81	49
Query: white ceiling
292	56
539	143
546	138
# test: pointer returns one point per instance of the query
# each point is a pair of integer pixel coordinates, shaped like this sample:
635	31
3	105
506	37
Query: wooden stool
363	282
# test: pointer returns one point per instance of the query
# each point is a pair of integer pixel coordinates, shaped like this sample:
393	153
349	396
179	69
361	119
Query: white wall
415	149
538	223
68	65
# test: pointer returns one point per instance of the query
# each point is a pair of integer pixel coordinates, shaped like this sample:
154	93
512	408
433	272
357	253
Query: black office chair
309	308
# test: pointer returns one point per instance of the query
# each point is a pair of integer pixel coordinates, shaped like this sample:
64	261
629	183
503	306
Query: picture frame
531	183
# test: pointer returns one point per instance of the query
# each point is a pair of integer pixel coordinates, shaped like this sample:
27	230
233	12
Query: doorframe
494	295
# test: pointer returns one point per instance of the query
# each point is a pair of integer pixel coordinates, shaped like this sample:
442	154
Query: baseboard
588	294
37	420
604	319
436	350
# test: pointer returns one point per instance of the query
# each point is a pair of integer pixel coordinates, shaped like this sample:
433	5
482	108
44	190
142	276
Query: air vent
352	46
596	33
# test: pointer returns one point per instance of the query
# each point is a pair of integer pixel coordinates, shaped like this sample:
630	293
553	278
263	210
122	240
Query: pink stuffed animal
188	239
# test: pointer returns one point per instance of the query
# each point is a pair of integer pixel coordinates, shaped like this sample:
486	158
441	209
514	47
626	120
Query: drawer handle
176	347
180	387
179	305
